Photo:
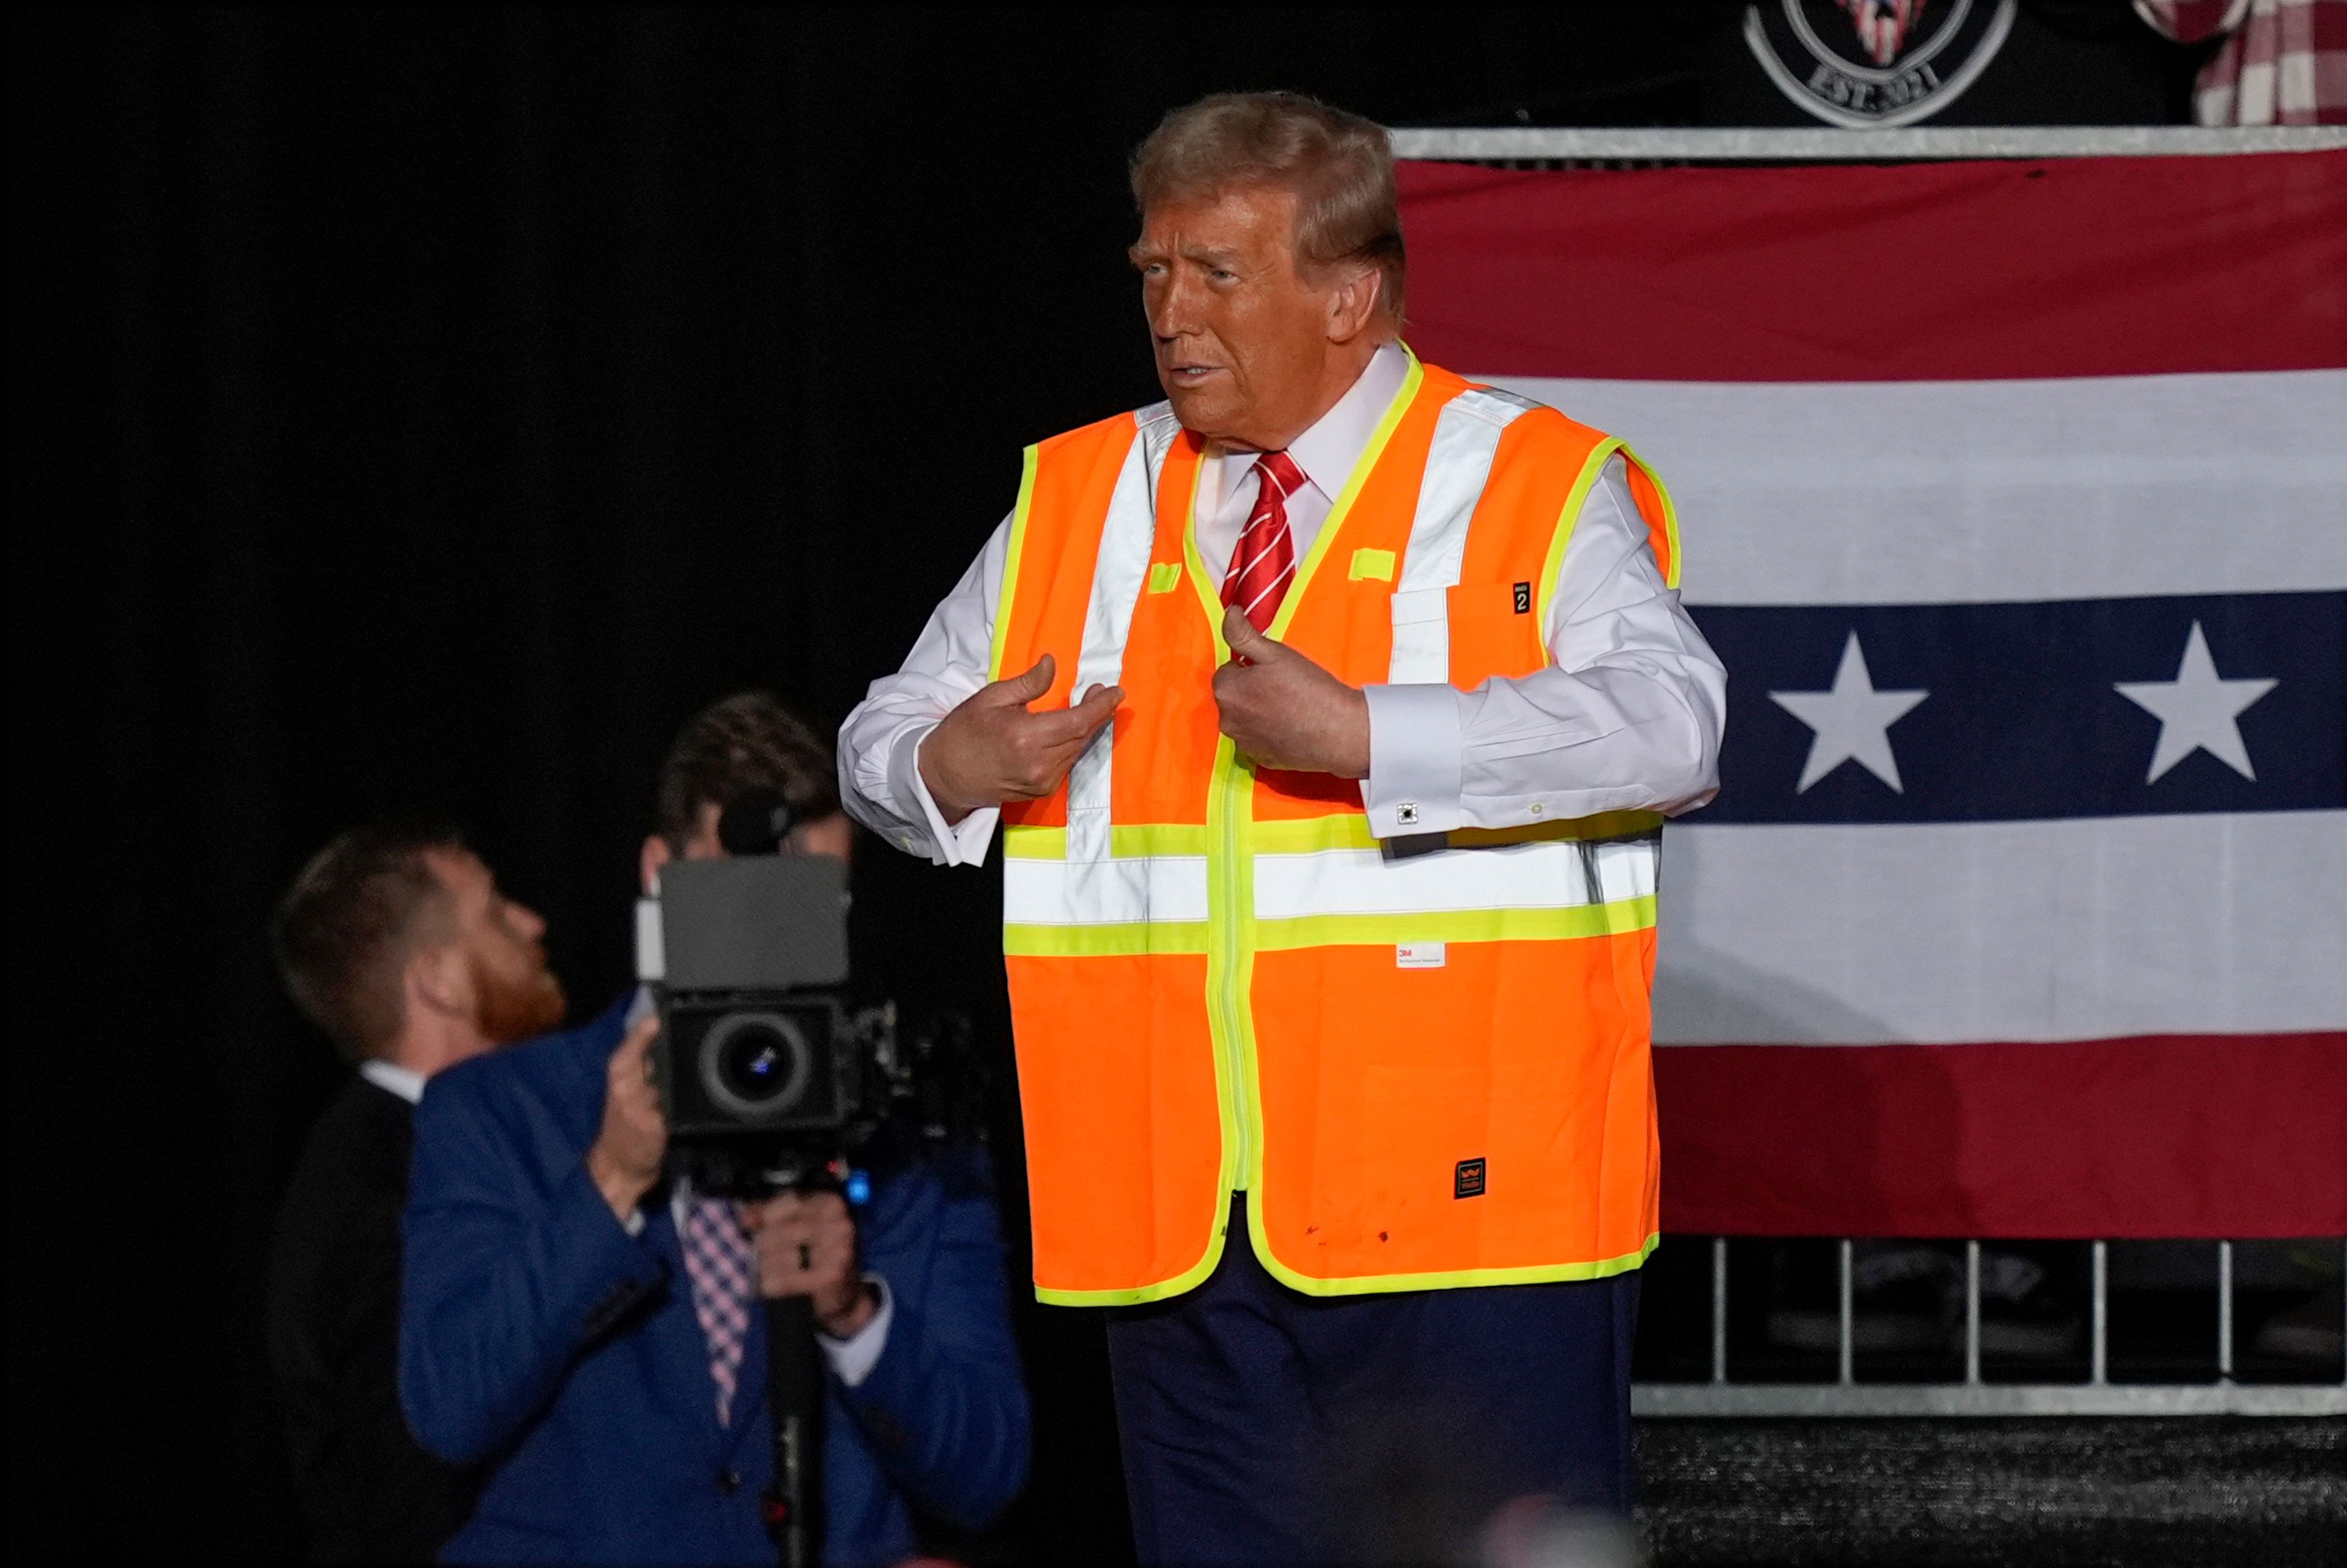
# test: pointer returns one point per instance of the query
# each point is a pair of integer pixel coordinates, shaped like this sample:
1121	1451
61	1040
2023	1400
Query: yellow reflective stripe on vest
1014	553
1554	566
1459	926
1101	941
1125	842
1370	1284
1230	793
1670	515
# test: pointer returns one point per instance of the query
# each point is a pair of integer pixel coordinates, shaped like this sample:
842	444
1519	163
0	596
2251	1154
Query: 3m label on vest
1469	1181
1419	956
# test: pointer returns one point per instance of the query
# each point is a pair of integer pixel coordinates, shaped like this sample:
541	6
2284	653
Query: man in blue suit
595	1330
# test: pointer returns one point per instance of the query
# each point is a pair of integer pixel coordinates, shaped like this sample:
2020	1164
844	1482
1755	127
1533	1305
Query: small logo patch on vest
1469	1182
1420	955
1524	599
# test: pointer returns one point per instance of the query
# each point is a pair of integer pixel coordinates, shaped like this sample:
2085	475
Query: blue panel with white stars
1969	713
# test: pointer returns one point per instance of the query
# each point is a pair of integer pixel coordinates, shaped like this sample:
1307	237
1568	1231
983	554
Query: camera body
760	1062
767	1077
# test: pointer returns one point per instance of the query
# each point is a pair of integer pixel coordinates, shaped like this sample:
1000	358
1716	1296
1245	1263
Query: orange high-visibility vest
1425	1060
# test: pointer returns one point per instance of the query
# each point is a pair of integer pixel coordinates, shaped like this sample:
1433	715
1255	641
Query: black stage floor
2132	1493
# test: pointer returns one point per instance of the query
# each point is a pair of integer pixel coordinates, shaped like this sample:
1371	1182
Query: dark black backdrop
432	408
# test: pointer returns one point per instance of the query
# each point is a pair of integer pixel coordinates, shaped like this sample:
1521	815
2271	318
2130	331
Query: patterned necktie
1264	562
723	1270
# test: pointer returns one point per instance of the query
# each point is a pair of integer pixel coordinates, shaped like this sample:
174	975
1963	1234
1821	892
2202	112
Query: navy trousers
1264	1425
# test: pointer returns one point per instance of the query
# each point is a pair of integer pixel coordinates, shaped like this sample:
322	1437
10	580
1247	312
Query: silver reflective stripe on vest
1458	466
1546	874
1158	429
1139	890
1125	539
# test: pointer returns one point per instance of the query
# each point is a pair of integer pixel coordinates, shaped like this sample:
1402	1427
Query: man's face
515	995
1243	339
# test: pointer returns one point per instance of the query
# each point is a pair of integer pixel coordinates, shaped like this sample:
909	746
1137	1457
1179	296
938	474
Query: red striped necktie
1264	562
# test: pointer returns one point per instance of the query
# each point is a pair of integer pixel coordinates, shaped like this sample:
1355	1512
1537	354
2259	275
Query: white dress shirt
405	1083
1627	717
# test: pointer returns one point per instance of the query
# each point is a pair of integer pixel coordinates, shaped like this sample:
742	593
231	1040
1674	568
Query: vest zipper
1229	889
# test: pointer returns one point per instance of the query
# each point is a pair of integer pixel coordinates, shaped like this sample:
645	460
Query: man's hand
1285	710
806	1247
991	749
626	1158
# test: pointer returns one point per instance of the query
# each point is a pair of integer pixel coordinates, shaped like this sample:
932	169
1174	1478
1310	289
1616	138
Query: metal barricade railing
1722	1395
1545	145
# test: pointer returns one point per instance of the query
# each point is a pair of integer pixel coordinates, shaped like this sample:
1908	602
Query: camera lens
755	1065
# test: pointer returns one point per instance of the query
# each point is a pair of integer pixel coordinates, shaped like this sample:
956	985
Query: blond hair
1339	166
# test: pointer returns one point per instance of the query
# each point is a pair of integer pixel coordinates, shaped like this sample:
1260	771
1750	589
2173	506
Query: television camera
771	1080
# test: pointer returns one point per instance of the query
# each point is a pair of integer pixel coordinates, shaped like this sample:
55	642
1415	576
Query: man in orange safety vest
1330	711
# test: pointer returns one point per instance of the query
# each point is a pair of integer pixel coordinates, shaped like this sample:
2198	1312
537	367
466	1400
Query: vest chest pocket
1465	635
1494	631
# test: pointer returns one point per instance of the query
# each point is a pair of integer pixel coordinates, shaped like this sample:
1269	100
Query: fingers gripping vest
1426	1060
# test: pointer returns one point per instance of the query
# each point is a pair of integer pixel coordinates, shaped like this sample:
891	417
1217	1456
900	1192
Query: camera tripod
931	1079
793	1503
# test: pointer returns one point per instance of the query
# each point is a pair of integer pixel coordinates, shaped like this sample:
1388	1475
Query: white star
1852	720
2197	710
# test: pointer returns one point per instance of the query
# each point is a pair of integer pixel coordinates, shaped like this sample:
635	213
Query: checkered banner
2014	496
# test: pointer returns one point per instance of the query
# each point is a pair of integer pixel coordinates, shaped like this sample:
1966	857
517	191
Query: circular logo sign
1875	62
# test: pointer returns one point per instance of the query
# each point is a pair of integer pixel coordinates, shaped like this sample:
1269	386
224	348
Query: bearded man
395	941
1331	709
578	1315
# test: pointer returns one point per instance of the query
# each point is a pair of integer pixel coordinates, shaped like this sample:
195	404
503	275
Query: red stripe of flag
2162	1135
2109	266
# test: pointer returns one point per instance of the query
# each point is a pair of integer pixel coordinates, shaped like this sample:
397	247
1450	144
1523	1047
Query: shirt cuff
961	843
1416	765
853	1358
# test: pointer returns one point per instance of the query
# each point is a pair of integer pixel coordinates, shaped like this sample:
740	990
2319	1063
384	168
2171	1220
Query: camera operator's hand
992	749
806	1247
626	1159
